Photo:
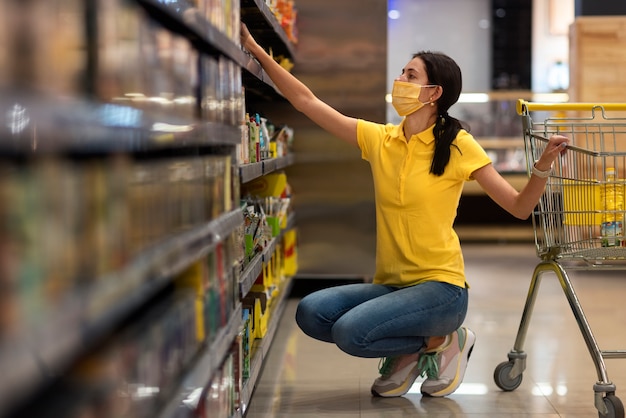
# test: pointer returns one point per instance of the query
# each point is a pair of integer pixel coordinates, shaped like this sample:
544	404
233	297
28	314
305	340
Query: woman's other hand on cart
557	145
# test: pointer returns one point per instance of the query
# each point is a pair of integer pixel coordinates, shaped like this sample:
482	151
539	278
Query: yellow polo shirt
415	210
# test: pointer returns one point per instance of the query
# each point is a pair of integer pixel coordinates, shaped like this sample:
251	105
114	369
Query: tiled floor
304	378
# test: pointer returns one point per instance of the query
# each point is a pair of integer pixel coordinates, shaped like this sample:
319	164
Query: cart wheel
615	407
501	376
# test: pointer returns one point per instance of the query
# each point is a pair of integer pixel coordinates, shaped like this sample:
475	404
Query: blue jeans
371	320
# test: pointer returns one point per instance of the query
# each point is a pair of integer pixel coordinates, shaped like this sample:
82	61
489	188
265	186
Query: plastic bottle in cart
612	195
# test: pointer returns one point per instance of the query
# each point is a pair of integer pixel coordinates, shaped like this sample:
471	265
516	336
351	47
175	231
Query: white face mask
405	97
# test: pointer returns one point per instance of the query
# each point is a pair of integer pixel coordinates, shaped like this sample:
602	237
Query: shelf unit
80	127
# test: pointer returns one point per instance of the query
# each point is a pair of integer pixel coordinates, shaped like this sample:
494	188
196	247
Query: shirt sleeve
471	156
369	136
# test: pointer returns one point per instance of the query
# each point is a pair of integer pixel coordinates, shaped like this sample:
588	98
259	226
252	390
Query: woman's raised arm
299	95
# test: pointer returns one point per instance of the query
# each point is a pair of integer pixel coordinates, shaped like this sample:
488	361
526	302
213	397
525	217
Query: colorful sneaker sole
397	390
470	340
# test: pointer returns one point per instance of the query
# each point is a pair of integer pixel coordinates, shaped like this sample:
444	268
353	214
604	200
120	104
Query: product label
612	233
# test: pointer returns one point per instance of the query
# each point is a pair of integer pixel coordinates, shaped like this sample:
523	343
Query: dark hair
443	71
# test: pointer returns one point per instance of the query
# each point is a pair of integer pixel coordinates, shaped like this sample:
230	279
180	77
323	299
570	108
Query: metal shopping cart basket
568	220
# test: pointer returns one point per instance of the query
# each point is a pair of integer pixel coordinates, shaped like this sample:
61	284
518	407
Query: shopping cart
567	220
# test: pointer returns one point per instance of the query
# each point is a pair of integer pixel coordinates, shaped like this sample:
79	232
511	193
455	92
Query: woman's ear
437	93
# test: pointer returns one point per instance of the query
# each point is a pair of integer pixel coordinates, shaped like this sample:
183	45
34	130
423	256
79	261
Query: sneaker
397	375
445	366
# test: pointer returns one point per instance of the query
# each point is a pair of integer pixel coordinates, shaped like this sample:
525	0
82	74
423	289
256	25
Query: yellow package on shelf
270	185
195	278
290	253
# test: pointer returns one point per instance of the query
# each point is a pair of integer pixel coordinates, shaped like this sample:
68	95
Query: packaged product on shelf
155	352
161	76
213	12
209	89
102	215
180	346
271	185
9	253
223	15
258	304
6	49
119	168
231	280
27	193
237	352
215	402
143	64
231	193
246	342
256	233
239	249
185	193
186	78
197	279
236	98
286	15
127	51
228	384
244	148
214	300
44	46
282	140
149	214
290	263
254	140
216	189
227	92
132	372
264	137
223	285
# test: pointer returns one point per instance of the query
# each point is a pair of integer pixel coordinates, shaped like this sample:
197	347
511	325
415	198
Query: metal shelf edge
207	363
262	349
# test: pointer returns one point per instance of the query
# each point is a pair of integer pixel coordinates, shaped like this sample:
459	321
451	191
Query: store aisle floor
304	378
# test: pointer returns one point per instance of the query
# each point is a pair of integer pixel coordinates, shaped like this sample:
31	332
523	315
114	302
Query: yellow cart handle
524	107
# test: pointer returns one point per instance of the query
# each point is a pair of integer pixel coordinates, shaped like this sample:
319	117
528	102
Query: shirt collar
426	136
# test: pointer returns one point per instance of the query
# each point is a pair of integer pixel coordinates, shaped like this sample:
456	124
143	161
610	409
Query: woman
411	315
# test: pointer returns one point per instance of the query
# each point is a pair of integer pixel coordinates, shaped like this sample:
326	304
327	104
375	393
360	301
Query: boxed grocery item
43	46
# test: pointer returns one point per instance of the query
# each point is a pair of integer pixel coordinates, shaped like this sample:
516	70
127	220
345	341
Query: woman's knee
303	314
310	319
348	338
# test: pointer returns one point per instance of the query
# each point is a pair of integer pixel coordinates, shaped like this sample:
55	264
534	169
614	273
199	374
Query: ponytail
445	131
443	71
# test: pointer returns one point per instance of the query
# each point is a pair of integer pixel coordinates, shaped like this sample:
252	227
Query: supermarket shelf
286	161
264	26
268	251
29	360
42	124
250	274
249	172
262	346
202	369
252	171
182	17
255	267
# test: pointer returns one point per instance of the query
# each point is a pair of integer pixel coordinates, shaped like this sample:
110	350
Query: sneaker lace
429	365
386	365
